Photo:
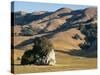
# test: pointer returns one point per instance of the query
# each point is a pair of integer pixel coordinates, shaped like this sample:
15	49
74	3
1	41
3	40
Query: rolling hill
67	29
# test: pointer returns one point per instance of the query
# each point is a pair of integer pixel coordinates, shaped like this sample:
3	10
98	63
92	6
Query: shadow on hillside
28	18
24	43
80	53
83	53
61	51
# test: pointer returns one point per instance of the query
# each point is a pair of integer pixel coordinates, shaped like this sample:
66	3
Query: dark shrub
27	31
76	36
84	46
27	58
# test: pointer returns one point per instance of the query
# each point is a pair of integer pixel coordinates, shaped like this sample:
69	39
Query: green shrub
27	58
27	31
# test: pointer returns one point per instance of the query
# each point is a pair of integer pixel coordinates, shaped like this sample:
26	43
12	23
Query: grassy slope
65	62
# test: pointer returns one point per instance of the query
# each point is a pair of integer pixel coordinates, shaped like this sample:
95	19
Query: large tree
38	55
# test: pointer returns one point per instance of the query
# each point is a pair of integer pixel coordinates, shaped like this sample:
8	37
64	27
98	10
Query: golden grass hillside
65	62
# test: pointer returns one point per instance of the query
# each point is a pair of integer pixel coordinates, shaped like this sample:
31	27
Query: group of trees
90	31
27	31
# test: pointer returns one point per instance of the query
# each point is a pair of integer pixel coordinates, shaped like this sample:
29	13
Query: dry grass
63	40
19	39
65	62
